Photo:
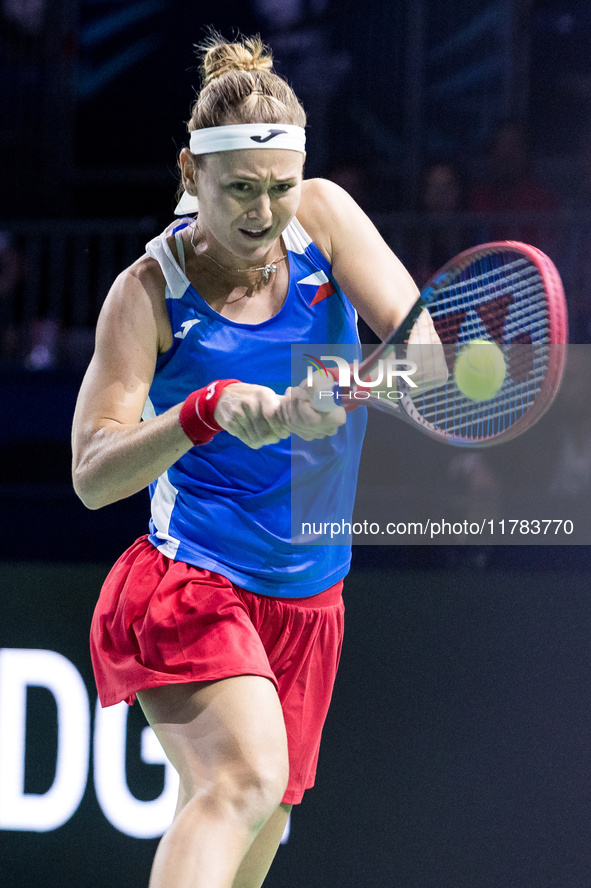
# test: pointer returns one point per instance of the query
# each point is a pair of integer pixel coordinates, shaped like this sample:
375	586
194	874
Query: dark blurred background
457	750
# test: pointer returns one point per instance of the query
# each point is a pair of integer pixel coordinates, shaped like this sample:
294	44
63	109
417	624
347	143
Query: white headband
236	137
247	135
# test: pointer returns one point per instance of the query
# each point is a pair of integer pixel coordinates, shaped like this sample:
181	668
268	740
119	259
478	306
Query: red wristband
197	413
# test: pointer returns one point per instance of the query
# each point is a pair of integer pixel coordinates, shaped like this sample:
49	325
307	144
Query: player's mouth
255	233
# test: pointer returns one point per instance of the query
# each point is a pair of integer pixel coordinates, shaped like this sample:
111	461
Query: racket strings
448	409
458	415
493	298
515	301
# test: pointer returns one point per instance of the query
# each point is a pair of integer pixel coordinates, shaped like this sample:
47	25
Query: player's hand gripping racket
505	293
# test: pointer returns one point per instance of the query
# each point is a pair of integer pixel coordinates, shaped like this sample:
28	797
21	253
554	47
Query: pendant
268	270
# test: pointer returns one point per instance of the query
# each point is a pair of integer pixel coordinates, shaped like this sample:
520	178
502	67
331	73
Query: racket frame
406	409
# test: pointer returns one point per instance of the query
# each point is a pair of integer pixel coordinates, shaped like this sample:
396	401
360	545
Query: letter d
19	669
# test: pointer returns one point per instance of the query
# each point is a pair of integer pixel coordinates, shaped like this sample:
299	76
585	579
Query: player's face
247	198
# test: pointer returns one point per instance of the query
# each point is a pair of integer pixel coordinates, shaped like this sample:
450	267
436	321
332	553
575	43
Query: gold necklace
266	270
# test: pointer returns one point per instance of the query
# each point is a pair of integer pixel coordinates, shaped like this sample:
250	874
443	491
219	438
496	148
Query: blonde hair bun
239	85
220	57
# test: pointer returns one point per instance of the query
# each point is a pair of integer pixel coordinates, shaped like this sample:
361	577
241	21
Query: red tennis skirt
160	622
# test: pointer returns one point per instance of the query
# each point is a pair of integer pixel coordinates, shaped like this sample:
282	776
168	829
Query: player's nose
260	208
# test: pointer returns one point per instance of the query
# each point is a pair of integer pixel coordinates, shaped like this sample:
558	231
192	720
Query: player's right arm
114	453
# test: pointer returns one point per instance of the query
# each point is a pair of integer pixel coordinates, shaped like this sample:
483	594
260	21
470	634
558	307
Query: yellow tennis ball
479	370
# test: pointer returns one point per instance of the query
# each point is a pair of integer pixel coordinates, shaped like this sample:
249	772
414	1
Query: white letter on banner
344	369
40	812
130	815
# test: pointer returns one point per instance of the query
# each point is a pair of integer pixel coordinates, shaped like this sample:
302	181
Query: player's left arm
374	279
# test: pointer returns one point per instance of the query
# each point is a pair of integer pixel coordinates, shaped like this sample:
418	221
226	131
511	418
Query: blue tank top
223	506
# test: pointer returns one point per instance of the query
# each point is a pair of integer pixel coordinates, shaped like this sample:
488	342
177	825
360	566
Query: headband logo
272	134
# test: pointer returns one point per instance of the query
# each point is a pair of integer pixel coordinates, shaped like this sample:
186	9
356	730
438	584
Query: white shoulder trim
180	249
176	279
295	237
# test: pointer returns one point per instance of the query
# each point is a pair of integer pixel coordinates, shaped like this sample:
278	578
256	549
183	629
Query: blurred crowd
504	195
509	192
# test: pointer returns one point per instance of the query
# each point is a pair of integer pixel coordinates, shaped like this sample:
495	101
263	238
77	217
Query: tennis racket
505	292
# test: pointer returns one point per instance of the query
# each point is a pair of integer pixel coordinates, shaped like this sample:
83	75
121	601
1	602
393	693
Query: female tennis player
228	634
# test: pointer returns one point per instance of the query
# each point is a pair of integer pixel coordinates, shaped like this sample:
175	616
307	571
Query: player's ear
188	172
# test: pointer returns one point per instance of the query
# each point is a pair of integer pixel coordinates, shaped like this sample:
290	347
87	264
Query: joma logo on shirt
185	327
